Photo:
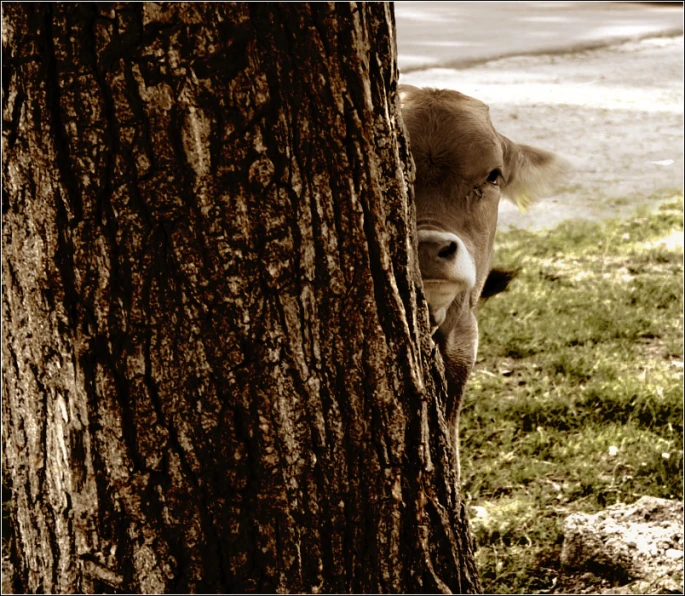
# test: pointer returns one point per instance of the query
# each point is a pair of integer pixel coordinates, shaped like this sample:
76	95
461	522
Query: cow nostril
448	251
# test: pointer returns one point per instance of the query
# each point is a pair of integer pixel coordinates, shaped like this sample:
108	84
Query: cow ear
497	281
530	172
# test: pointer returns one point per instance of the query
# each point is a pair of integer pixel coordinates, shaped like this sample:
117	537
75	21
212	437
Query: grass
576	400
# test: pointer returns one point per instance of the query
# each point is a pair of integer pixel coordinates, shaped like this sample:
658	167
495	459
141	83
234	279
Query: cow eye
494	176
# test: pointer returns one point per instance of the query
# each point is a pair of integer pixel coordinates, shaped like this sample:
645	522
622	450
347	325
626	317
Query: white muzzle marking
447	269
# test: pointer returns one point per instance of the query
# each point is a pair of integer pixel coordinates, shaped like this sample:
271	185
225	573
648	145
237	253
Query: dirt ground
615	113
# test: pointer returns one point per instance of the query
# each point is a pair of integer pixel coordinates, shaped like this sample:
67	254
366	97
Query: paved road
614	112
458	34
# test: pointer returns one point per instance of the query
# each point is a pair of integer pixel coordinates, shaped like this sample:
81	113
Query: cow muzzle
447	270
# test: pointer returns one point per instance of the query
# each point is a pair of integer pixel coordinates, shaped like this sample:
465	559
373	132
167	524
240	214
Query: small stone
674	553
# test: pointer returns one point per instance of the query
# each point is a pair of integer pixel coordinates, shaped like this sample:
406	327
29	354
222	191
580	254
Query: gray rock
640	546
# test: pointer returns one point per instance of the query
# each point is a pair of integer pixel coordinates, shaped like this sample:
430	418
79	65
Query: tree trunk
218	375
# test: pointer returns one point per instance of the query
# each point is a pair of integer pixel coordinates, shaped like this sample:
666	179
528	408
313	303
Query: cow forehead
427	95
452	127
449	96
446	103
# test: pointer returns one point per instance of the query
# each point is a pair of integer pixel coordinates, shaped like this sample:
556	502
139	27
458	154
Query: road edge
464	63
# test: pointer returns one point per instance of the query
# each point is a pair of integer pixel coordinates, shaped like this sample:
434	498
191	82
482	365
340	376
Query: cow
463	168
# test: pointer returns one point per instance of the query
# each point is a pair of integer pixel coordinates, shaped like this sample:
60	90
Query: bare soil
615	113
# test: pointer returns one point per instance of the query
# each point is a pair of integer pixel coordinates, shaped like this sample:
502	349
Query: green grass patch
576	401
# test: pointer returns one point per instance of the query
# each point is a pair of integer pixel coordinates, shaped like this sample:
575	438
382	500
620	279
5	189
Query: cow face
463	168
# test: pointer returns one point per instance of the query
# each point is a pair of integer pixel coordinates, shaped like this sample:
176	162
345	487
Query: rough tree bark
217	367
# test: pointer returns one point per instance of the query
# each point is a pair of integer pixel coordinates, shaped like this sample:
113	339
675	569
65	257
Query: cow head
463	168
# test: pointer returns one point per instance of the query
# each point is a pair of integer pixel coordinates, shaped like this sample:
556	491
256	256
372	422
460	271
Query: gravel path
615	113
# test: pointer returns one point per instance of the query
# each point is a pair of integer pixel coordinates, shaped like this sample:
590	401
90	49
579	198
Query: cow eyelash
495	176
